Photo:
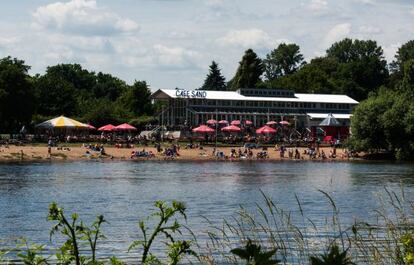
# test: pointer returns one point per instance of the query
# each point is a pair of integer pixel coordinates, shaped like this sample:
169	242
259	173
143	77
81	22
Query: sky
171	43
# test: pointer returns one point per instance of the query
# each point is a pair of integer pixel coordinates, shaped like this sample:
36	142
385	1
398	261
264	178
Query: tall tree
404	53
362	67
214	80
248	73
283	60
136	100
16	94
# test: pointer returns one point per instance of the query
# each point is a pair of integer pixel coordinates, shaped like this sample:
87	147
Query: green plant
76	233
253	254
30	253
333	257
408	248
177	249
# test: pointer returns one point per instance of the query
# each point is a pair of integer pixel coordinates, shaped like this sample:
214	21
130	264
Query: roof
324	115
233	95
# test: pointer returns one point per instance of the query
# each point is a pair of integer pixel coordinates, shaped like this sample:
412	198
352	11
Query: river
124	192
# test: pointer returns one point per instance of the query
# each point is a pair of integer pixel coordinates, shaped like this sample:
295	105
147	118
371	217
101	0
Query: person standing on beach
49	147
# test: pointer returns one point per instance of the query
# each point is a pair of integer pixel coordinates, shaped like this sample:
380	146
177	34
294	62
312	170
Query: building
195	107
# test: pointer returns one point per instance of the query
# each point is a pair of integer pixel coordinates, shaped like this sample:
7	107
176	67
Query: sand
78	153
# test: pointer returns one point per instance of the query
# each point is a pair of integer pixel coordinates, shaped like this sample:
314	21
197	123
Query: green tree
136	100
55	96
214	80
108	86
361	69
16	94
284	60
404	54
248	73
315	77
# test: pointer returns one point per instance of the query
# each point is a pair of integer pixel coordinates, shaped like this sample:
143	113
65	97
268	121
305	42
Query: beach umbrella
247	122
266	130
284	122
125	127
235	122
107	128
271	123
63	123
231	128
212	122
203	129
223	122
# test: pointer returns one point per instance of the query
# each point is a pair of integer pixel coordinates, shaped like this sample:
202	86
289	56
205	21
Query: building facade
195	107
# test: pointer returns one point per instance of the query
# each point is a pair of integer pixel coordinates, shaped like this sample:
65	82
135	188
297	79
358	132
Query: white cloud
370	30
82	17
249	38
390	51
337	33
318	5
175	57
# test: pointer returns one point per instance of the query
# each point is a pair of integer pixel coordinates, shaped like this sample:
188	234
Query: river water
124	192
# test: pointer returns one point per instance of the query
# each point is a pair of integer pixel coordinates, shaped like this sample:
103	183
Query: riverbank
79	153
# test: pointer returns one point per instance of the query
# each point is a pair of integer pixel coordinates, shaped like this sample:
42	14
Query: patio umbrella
247	122
231	128
235	122
212	122
271	123
223	122
284	122
266	130
90	127
63	123
203	129
125	127
107	128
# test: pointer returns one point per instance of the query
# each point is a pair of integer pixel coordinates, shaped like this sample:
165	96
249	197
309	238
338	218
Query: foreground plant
30	254
253	255
333	257
176	249
76	233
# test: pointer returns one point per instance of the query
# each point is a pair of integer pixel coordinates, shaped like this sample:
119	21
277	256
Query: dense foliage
248	73
385	121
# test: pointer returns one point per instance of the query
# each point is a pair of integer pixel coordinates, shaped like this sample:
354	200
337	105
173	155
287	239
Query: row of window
269	104
266	92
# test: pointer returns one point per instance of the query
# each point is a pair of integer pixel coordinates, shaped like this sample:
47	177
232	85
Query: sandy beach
78	153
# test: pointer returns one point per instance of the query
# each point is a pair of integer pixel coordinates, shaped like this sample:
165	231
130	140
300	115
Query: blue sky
171	43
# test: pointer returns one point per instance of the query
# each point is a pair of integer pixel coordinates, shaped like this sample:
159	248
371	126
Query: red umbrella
247	122
266	130
211	122
284	123
125	127
203	129
235	122
107	128
231	128
223	122
90	127
271	123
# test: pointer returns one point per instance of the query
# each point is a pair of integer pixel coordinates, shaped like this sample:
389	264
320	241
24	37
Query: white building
194	107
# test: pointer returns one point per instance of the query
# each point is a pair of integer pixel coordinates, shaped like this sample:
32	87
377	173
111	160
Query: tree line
351	67
68	89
